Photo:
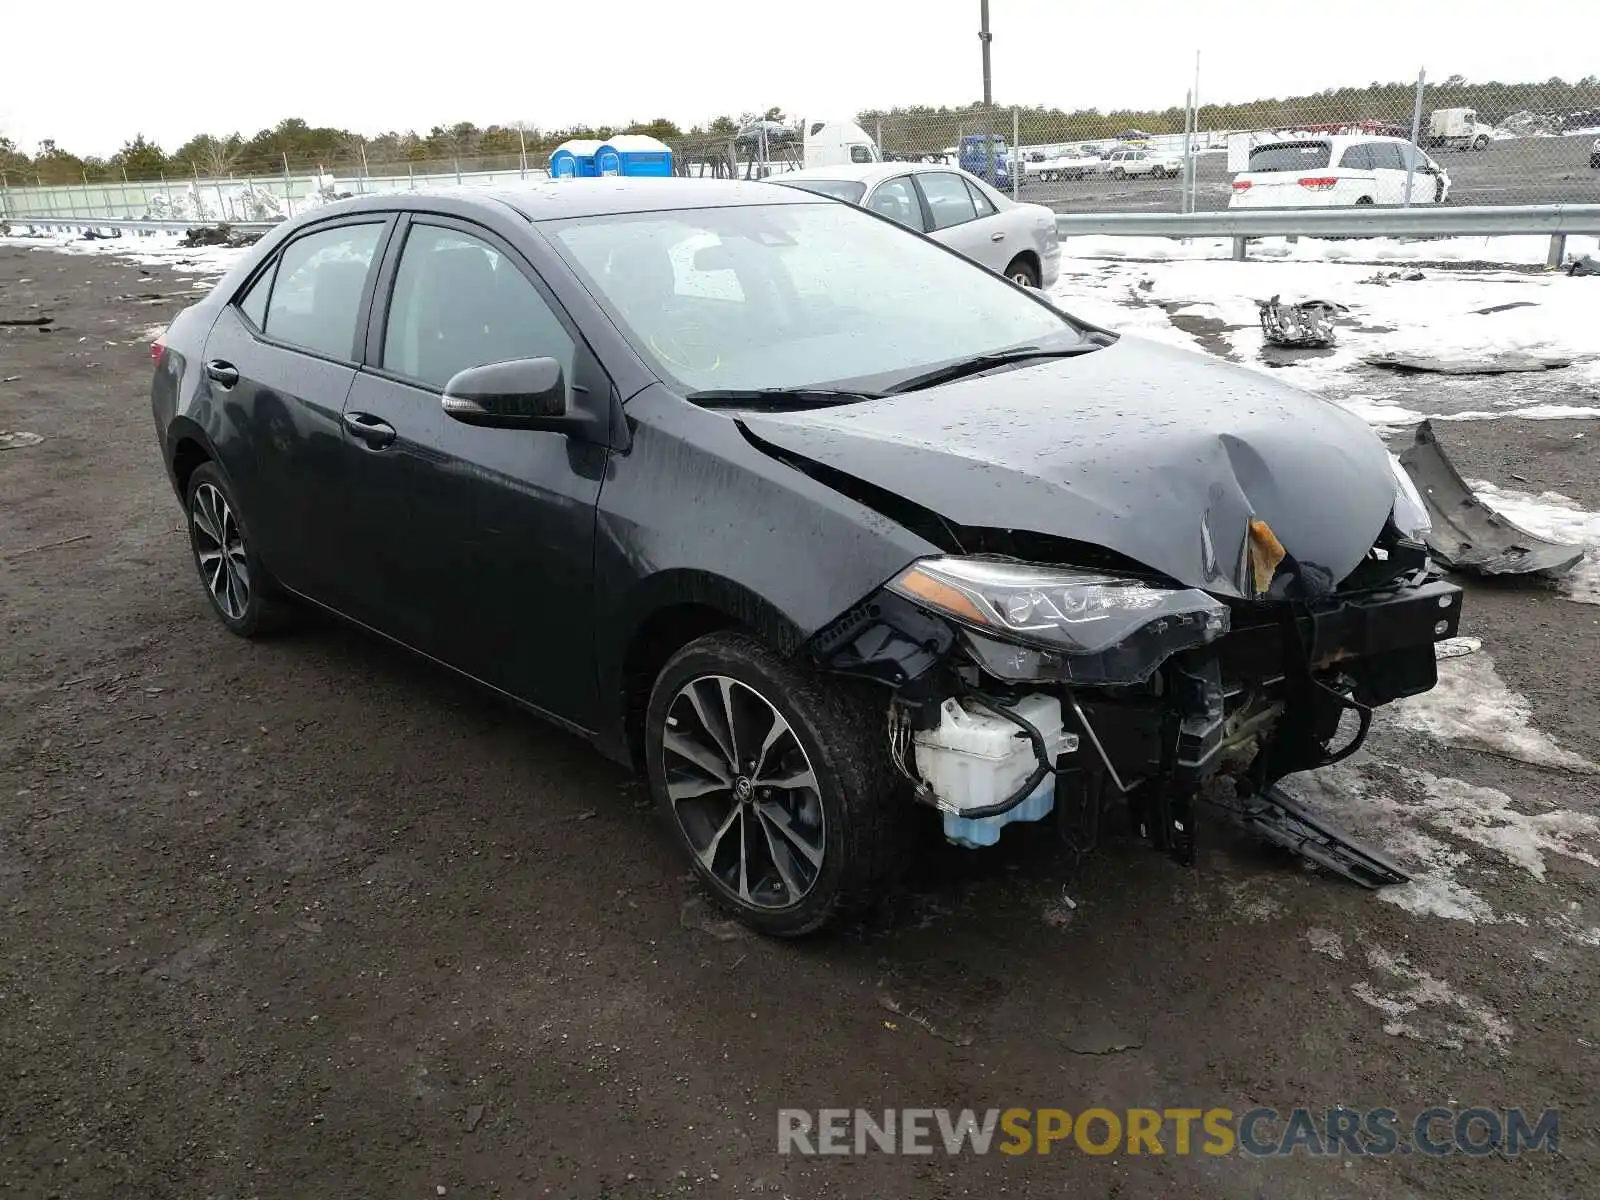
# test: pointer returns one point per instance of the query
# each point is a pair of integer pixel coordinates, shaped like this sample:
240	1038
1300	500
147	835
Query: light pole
984	38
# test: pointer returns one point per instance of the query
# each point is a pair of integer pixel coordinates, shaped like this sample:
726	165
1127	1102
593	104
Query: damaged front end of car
1029	677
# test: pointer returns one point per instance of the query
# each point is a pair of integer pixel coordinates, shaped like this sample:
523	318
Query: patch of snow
1489	818
1428	1009
1570	929
1534	412
1511	250
1378	412
1557	517
148	249
1326	942
1472	706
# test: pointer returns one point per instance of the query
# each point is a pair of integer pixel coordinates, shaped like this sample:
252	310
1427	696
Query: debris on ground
218	235
1493	362
17	439
1308	323
1587	265
1457	647
26	320
1499	308
1384	278
1468	535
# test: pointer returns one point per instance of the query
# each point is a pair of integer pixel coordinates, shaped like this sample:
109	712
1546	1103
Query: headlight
1410	513
1023	621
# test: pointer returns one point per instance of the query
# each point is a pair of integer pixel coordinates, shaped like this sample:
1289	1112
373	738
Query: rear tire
790	829
1118	173
1021	271
242	594
1365	200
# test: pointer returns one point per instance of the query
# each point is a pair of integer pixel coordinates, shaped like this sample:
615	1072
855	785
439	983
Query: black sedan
810	518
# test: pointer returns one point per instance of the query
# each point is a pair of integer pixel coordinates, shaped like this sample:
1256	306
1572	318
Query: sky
178	68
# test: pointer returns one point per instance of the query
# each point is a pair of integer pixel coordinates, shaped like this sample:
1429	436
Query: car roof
1340	139
867	173
554	199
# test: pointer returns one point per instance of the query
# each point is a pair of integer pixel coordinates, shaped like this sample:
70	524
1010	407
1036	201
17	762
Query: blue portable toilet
574	159
633	154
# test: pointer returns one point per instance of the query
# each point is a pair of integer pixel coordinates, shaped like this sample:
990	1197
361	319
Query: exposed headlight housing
1410	513
1027	622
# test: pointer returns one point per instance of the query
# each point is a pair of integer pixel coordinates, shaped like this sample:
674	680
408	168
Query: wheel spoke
744	856
720	735
204	521
726	685
700	756
779	728
793	781
778	850
777	817
709	854
688	789
207	557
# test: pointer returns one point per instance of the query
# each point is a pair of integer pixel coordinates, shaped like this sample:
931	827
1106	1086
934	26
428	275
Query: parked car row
1114	162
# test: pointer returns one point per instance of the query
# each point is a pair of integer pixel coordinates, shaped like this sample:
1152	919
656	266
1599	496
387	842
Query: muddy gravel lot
307	917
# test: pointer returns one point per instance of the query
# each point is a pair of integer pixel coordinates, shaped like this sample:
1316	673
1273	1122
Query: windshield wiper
985	362
778	397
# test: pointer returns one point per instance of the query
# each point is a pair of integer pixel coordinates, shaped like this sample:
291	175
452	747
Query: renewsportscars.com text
1258	1132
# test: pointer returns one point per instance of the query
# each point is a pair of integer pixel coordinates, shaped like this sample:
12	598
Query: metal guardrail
1557	220
140	225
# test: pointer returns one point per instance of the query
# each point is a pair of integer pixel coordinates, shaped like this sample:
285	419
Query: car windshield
837	189
795	295
1291	156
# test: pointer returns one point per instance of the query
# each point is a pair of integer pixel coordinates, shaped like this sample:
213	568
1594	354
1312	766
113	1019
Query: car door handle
375	433
997	237
223	374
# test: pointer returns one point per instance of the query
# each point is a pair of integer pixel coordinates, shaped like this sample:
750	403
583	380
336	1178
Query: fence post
363	146
522	166
1416	130
1190	184
288	200
1558	251
1016	153
1239	244
5	197
1188	161
458	172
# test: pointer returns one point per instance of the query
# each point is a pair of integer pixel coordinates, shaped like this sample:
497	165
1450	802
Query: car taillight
1318	183
1241	185
158	351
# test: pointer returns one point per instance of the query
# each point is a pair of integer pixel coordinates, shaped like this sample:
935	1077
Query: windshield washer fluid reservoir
975	759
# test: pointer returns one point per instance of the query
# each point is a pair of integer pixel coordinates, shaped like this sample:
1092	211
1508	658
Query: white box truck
1458	127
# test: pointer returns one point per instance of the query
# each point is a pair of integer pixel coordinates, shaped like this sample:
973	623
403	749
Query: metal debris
1308	324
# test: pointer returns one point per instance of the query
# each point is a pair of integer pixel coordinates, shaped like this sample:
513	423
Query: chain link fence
1495	144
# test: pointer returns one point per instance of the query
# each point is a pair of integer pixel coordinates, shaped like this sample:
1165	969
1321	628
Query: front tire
1118	173
240	591
776	781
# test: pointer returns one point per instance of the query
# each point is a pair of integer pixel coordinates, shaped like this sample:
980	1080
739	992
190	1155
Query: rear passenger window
254	303
458	303
317	296
1357	158
1386	156
980	202
898	202
949	202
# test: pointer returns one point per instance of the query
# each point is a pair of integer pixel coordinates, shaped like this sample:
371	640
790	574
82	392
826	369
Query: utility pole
984	38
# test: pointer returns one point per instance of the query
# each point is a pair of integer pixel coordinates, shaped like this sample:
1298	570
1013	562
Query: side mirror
524	393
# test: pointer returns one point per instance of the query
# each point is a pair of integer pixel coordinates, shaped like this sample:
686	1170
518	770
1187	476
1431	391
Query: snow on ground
1455	317
146	249
1511	250
1557	517
1472	706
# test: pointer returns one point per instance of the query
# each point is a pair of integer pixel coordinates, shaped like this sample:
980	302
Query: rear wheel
1365	200
1482	143
1118	173
1021	271
237	585
777	782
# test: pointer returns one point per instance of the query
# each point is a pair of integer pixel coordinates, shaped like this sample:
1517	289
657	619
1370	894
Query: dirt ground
309	918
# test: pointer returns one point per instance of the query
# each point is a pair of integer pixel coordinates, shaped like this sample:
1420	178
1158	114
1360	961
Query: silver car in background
950	206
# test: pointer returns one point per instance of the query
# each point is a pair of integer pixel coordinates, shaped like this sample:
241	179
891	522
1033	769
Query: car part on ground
1304	325
1468	535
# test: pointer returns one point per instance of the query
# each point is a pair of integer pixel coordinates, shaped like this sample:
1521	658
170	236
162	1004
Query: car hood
1159	454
